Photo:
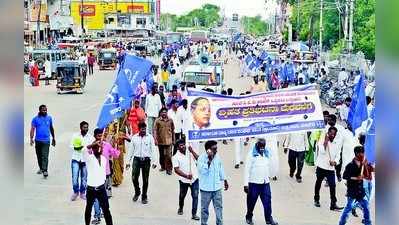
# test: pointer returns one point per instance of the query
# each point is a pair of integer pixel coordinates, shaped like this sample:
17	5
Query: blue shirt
42	125
210	178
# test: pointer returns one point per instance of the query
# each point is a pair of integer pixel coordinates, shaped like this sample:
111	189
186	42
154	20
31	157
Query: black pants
338	167
91	69
194	188
100	194
165	157
42	152
320	175
262	191
143	164
296	159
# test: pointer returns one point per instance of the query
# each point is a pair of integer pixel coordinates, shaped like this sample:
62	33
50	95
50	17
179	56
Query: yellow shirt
164	76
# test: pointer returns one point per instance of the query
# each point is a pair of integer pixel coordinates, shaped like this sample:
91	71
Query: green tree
254	26
207	17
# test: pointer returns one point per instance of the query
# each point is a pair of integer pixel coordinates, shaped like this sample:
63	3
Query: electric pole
38	24
346	24
321	27
81	17
350	43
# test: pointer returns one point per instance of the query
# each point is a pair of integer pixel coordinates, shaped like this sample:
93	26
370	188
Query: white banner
215	116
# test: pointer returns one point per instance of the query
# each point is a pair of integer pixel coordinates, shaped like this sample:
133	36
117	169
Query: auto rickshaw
107	58
71	77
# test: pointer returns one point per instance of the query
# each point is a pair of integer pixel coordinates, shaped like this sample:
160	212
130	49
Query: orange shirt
136	116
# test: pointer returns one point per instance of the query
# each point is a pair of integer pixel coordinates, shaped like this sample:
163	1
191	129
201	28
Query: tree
207	16
254	26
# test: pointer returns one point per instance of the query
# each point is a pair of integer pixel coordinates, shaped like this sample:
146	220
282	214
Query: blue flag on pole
119	98
263	55
369	145
136	70
358	108
248	59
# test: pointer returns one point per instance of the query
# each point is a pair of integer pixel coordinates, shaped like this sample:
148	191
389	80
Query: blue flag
119	98
248	59
263	55
358	108
369	145
236	37
136	70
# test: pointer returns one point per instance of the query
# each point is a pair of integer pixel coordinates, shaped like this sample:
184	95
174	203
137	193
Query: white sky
242	7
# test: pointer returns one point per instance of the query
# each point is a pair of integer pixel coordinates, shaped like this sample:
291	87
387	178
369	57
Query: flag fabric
248	59
263	55
119	98
369	145
358	108
138	69
133	70
236	37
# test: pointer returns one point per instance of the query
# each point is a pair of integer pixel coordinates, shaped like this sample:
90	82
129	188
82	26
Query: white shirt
323	156
96	173
178	124
183	116
83	60
343	111
47	67
342	77
256	169
186	164
152	105
141	147
86	140
296	141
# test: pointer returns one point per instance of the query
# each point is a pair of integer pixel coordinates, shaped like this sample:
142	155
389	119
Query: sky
242	7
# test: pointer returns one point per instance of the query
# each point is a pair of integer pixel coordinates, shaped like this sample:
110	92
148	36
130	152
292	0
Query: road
47	201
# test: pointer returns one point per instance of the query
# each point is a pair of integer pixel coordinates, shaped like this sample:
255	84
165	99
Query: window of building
140	21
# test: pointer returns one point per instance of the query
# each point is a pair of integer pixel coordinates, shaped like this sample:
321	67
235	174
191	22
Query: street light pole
38	24
81	17
350	44
321	27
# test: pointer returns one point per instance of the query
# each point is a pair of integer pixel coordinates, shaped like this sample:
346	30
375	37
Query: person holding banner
211	178
327	157
185	167
256	181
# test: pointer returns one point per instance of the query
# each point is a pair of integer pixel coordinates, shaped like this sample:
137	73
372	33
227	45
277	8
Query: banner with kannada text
215	116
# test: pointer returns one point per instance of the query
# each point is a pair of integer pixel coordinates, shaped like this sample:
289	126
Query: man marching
185	167
256	181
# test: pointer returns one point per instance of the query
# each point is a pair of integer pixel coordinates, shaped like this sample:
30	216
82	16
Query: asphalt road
47	201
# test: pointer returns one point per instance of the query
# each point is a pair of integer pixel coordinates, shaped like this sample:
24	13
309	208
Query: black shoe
96	221
242	162
272	222
195	217
45	174
317	204
299	180
334	207
274	178
249	221
144	201
39	172
354	213
180	211
169	172
237	166
136	197
291	175
339	179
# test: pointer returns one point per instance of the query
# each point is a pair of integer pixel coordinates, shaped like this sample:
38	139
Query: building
114	16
